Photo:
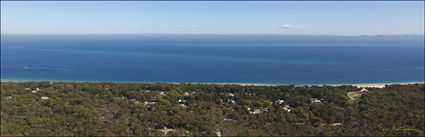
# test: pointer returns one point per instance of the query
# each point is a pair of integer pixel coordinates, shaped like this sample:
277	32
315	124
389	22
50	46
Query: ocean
261	59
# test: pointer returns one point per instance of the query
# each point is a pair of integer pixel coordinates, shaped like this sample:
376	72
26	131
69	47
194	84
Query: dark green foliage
113	109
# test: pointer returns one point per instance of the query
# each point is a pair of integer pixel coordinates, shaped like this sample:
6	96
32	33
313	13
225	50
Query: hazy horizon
218	34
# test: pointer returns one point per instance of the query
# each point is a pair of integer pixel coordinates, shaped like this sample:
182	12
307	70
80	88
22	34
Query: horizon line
63	34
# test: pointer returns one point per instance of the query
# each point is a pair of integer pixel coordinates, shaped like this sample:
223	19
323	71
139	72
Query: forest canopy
140	109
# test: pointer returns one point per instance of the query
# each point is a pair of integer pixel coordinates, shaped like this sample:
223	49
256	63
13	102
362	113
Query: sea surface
266	59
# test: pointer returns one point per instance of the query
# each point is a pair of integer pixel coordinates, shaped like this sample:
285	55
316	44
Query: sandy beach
381	85
362	85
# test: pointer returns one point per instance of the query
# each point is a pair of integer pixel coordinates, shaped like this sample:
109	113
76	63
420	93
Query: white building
256	111
149	103
35	91
218	133
186	94
135	101
336	124
44	98
315	100
181	101
162	93
167	130
287	108
183	106
230	94
280	101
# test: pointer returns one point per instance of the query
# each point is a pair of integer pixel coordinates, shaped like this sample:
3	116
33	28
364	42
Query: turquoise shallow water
268	59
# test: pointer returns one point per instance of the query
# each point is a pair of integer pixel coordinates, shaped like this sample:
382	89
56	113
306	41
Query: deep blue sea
267	59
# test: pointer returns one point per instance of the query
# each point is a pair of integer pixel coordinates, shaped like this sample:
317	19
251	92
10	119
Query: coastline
360	85
381	85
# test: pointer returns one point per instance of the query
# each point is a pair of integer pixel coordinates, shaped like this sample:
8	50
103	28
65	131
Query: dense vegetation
132	109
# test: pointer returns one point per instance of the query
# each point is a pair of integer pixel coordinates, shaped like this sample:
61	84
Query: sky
236	17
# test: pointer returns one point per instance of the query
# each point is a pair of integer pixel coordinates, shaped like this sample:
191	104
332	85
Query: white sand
382	85
364	85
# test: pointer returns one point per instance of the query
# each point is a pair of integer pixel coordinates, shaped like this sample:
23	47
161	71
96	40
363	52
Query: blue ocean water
268	59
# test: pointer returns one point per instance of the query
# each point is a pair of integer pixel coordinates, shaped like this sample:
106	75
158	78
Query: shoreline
380	85
360	85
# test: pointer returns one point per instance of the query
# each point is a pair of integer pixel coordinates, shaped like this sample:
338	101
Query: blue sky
237	17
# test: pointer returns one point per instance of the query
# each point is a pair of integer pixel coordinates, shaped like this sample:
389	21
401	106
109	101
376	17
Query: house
230	94
44	98
186	94
256	111
248	108
27	89
231	101
35	91
134	100
183	106
364	90
336	124
228	119
122	97
162	93
9	97
280	101
181	101
287	108
315	100
300	123
218	133
265	109
166	130
149	103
